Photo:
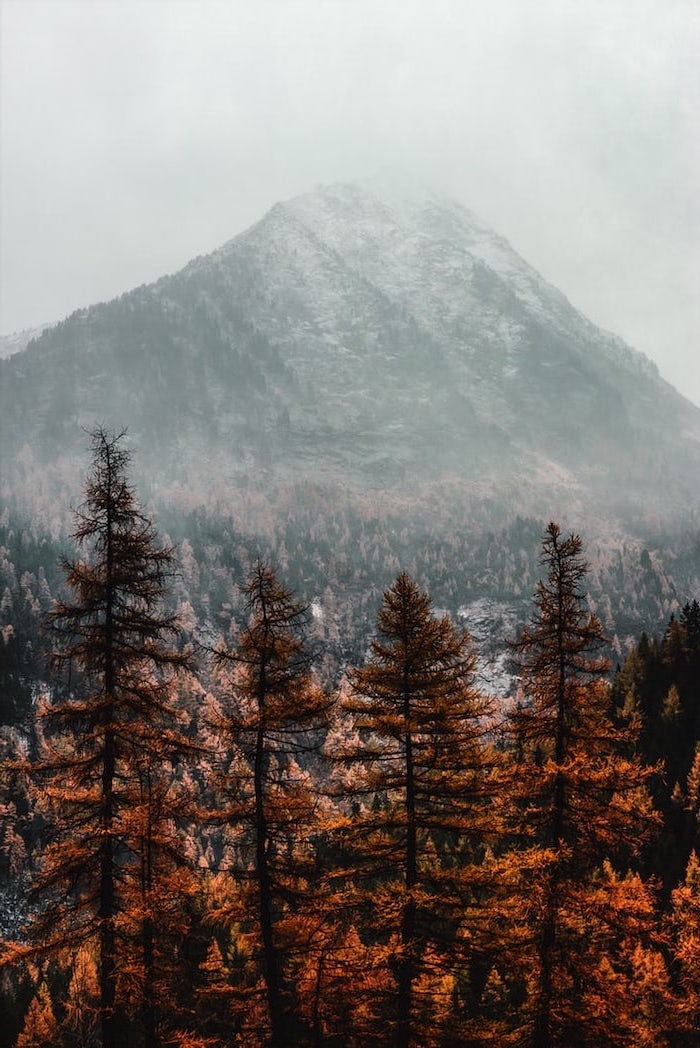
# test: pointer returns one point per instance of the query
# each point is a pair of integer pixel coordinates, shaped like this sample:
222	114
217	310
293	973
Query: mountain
367	380
366	336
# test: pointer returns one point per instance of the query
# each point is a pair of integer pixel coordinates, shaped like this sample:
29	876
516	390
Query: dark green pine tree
660	679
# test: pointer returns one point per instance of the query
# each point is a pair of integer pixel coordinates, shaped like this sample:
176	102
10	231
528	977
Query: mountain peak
391	201
367	330
377	221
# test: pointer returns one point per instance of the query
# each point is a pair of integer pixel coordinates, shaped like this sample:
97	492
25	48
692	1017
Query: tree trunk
541	1037
108	977
271	965
406	970
148	1002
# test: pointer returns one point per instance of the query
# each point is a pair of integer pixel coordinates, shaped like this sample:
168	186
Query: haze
135	135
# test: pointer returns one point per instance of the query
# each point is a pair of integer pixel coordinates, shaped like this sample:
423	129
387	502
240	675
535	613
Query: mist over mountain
19	340
368	380
368	336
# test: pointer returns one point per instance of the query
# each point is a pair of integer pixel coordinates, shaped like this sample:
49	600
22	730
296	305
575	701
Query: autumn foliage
228	850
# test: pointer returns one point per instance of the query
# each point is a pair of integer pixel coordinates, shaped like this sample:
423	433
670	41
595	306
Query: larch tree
685	928
40	1025
114	719
418	789
270	728
580	804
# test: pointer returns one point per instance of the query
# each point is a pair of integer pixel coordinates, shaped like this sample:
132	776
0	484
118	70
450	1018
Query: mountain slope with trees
361	336
464	874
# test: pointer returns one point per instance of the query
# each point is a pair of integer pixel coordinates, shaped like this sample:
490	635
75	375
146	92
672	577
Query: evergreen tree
660	679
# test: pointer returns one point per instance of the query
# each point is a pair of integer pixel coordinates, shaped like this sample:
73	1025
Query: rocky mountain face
363	336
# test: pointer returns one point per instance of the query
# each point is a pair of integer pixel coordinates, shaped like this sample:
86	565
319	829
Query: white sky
135	134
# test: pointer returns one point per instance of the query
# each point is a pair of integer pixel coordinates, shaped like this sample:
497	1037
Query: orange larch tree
418	788
579	801
685	929
271	726
114	717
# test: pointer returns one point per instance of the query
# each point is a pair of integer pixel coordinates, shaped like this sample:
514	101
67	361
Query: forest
248	836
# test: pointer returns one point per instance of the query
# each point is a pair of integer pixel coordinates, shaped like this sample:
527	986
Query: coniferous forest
227	837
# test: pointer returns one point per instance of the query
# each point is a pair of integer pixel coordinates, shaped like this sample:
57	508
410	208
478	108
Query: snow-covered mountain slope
19	340
456	280
364	334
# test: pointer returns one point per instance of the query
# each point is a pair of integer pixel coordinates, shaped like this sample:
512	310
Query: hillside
361	336
364	381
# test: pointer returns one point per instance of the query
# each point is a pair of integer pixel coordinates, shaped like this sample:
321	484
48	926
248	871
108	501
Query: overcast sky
136	134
